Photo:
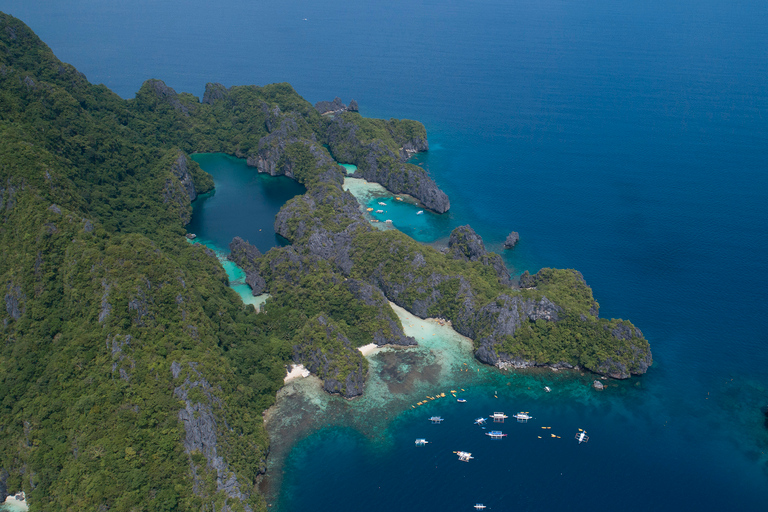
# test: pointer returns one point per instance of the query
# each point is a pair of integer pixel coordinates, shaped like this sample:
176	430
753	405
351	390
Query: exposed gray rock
106	307
511	240
55	209
15	300
273	159
405	178
465	244
376	162
247	256
334	107
87	226
303	219
118	344
3	486
179	188
527	280
201	430
323	363
500	319
167	94
633	346
180	169
372	296
140	304
353	107
8	196
598	385
27	81
175	369
213	92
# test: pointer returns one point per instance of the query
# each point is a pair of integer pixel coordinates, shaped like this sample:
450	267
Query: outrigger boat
421	442
498	417
522	417
419	212
495	434
480	421
464	456
461	400
479	506
435	419
382	203
582	436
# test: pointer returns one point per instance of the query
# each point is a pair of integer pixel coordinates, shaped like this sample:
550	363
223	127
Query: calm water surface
628	140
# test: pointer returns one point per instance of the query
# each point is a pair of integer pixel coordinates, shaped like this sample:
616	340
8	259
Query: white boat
522	417
495	434
382	204
479	506
547	389
436	419
388	221
379	211
582	436
461	400
464	456
421	442
419	212
498	417
480	421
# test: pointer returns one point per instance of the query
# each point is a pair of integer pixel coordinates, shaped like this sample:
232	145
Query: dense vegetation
131	376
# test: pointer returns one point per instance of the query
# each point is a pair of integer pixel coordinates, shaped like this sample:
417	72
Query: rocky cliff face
336	106
3	487
502	318
630	347
341	366
323	222
512	240
179	189
213	92
467	245
166	94
372	296
379	163
201	427
247	256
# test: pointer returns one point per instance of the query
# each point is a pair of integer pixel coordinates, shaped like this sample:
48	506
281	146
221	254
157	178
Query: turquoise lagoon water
243	203
624	139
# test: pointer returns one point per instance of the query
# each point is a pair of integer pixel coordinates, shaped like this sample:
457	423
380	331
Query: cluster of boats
497	417
453	392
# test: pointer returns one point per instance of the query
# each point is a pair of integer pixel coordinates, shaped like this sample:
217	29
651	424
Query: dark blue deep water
627	139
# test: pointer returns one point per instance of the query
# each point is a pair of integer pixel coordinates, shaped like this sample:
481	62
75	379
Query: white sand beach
14	504
296	371
369	349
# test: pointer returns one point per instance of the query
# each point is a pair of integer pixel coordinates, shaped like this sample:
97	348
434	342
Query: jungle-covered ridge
131	376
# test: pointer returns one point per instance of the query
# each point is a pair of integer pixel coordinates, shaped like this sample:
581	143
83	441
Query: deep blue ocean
626	139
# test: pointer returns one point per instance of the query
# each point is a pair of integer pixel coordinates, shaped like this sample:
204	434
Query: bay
623	139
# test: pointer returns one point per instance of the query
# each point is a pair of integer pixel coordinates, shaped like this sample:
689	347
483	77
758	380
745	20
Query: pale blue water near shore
628	140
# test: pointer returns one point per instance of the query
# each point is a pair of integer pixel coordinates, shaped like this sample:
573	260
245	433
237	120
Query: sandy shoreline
369	349
14	504
297	371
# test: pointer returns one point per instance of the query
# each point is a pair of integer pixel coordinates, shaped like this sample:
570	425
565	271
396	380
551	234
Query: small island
129	361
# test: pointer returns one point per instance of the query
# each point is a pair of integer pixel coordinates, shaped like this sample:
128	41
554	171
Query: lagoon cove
514	272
